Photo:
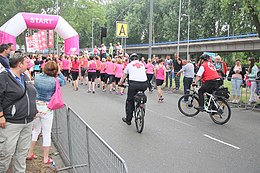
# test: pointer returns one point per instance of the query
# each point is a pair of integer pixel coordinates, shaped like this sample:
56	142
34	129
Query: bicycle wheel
139	119
223	113
188	107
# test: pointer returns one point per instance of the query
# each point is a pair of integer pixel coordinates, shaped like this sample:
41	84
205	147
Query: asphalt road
171	142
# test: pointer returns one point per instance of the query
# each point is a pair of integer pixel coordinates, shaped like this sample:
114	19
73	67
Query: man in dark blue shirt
4	51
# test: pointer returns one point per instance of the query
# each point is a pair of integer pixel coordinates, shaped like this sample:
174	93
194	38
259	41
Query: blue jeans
168	77
236	86
187	83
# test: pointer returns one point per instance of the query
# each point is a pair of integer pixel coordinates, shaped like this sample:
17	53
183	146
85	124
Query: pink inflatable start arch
16	25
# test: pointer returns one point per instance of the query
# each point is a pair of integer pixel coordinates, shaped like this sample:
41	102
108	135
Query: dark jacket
231	72
24	110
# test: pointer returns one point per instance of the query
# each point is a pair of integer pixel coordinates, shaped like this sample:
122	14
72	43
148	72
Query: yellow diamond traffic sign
121	29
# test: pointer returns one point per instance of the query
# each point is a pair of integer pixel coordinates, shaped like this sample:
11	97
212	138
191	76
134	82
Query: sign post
122	31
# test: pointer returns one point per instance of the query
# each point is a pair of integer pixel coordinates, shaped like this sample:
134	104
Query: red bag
248	82
56	101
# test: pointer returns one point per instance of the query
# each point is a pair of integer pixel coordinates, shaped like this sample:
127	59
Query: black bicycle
140	100
139	112
215	105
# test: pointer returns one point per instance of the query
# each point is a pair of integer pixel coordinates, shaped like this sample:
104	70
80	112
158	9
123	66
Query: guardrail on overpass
247	42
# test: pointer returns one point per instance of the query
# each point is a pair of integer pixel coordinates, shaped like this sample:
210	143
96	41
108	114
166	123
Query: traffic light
103	32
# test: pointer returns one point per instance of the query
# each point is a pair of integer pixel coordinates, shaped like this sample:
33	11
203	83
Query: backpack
258	75
222	92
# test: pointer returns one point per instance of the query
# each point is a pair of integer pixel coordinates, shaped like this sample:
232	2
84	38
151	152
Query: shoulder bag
56	101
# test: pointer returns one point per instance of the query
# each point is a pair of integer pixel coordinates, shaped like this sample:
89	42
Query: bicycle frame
210	99
207	104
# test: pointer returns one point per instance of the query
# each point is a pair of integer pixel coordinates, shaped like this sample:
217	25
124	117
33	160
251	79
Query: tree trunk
254	14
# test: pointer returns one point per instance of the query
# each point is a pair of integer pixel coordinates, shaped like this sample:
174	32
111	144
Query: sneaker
200	108
93	92
124	120
89	91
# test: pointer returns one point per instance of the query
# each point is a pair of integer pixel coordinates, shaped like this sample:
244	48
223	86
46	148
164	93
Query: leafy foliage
209	18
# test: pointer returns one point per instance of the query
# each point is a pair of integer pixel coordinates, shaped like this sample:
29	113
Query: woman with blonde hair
118	74
45	85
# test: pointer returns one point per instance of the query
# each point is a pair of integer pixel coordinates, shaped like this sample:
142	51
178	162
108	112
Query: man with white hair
188	72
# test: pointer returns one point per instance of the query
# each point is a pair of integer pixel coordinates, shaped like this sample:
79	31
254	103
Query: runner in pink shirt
103	73
75	70
160	73
149	72
83	69
109	70
65	66
118	74
98	63
92	69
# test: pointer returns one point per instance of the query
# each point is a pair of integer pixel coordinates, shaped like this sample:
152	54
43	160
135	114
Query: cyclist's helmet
133	57
205	57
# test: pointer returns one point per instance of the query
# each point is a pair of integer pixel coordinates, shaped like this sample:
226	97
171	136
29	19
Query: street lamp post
150	29
93	32
188	42
179	30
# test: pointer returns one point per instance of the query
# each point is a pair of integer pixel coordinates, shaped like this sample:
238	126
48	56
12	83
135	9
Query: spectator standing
169	66
143	61
103	51
11	47
17	111
252	74
4	51
236	76
111	50
177	67
45	85
188	72
219	66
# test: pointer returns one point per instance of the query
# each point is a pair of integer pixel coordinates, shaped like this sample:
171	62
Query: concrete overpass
241	43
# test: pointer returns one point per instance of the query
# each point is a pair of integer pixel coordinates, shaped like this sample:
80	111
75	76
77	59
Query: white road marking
170	118
179	121
233	146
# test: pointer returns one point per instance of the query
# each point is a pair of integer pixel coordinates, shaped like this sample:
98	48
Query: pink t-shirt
160	72
119	70
149	68
92	66
109	68
75	65
125	64
103	66
65	64
98	62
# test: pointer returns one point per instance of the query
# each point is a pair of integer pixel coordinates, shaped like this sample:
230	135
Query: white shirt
201	71
136	71
188	70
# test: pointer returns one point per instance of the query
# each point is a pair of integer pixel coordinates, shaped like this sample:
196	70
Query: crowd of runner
105	73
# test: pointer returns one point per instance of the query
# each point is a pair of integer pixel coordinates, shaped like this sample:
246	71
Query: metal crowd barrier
245	105
81	148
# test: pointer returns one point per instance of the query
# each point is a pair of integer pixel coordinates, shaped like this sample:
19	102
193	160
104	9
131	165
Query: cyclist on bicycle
210	79
137	81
